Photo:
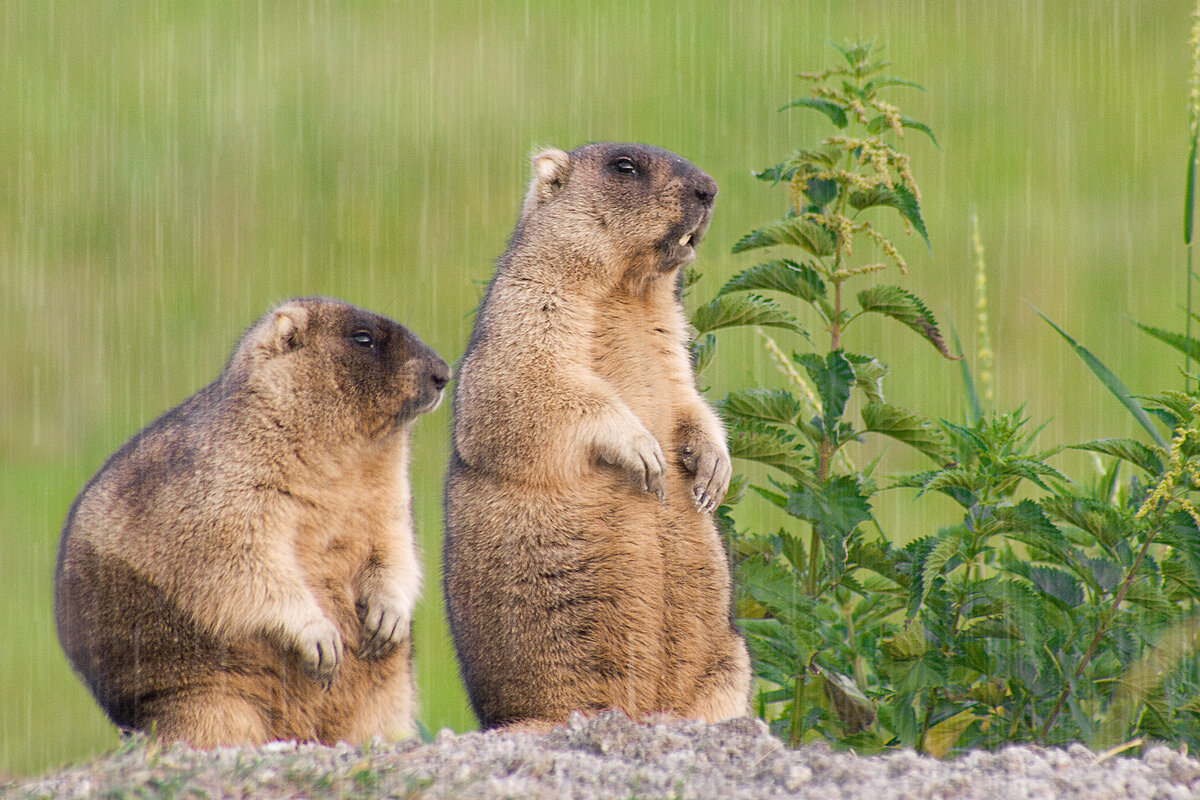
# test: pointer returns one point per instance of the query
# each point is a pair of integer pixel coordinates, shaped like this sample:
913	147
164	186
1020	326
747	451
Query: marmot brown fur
583	568
244	568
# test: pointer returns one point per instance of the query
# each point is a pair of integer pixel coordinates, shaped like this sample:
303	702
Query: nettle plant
807	612
1052	611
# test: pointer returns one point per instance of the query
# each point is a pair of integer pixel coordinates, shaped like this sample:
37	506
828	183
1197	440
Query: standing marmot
583	569
213	571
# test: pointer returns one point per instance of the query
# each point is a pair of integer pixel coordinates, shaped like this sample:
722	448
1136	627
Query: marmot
583	567
244	568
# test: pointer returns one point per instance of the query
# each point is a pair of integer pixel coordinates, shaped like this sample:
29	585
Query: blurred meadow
169	170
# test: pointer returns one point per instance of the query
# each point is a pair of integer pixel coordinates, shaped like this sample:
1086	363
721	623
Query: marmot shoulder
244	568
585	464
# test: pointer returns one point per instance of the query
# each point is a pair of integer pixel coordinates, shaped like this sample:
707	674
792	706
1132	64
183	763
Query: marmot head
634	207
334	368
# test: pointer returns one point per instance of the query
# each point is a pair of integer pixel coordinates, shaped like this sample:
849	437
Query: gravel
610	757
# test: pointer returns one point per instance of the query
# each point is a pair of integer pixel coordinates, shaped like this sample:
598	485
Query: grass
172	169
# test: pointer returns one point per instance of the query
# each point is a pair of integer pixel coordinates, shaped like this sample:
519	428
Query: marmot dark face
637	206
337	364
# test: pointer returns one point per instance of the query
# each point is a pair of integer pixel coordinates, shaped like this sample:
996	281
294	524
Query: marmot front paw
640	456
710	465
385	623
319	644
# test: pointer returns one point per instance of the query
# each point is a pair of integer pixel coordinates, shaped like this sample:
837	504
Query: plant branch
1103	629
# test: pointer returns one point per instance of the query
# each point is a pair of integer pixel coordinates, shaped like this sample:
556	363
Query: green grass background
169	170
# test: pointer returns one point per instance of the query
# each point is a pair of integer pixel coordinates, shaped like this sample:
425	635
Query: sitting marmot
244	569
583	568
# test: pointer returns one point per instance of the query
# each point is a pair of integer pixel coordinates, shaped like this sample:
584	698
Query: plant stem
794	731
1103	629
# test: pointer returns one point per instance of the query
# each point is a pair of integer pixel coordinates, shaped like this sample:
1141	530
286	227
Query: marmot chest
644	361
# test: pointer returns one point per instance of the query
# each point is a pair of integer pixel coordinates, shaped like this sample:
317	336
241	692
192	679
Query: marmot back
244	568
583	569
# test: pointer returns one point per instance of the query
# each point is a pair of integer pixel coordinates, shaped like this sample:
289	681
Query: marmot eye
363	339
625	166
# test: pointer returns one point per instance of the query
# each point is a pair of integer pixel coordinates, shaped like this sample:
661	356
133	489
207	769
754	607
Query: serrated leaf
820	191
879	123
1129	450
1185	344
792	548
1174	408
836	113
906	643
906	308
1029	469
1101	520
1057	585
1105	572
796	231
780	275
935	561
835	508
701	351
777	173
1027	522
898	197
733	311
907	427
832	377
765	405
868	375
883	82
1110	381
764	444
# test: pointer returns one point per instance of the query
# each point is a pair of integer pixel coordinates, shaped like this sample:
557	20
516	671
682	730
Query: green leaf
904	307
883	82
734	311
1189	198
797	231
868	375
1057	585
853	709
781	275
836	113
1110	381
832	378
940	738
1027	522
898	197
702	350
1185	344
906	643
935	561
766	445
905	426
1101	520
1174	408
777	173
1129	450
975	408
821	191
835	508
765	405
879	123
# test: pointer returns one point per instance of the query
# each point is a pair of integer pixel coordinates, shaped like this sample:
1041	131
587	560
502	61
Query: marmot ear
286	329
550	171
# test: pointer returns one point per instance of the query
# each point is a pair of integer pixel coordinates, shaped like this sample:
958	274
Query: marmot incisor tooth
244	568
583	568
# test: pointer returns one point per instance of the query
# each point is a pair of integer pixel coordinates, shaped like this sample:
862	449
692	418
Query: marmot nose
440	375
